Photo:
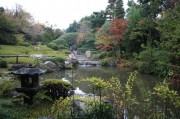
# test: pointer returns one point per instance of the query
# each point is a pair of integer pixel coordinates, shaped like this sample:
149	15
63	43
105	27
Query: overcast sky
58	12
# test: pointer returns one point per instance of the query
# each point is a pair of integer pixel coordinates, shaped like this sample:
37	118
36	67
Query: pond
142	85
80	72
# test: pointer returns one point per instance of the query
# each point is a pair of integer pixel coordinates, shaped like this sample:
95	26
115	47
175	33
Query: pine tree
119	10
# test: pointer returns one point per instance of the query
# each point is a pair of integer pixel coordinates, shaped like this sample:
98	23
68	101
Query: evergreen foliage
57	43
87	44
73	27
49	34
119	10
56	88
69	38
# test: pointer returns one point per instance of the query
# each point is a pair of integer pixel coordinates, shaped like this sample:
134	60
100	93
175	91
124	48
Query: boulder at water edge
50	66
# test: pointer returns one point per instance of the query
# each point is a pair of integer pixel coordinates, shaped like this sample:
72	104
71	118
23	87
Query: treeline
17	27
147	33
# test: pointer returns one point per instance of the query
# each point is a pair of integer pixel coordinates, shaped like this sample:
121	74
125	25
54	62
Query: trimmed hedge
56	88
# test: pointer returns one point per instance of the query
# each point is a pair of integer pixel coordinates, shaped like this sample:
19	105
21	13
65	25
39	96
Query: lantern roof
30	70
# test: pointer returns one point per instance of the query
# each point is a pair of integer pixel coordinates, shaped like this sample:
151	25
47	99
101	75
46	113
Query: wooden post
16	59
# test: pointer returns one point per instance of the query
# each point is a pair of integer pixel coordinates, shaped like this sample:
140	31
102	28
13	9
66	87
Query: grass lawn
29	50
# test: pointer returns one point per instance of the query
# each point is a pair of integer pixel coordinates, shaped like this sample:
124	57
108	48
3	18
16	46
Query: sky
58	12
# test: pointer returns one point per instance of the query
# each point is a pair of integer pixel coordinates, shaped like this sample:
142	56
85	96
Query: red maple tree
109	39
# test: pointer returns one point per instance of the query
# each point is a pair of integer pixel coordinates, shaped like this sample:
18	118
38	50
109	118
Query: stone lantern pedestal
29	77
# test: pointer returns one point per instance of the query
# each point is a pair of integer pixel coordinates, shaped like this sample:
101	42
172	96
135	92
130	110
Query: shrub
83	108
62	47
62	108
70	38
58	61
7	86
57	88
110	61
3	64
146	67
82	50
60	41
100	111
152	61
6	113
95	57
66	52
26	44
53	46
103	55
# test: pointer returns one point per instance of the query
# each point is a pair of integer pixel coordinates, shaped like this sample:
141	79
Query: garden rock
50	66
71	60
88	54
80	105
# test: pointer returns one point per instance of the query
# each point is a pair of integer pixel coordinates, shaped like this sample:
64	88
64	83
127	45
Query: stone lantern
29	77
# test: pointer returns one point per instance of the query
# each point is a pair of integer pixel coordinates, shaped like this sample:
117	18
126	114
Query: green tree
7	28
58	43
144	33
23	18
67	39
1	10
70	38
133	14
88	43
13	22
50	34
169	27
133	17
97	19
73	27
119	10
152	8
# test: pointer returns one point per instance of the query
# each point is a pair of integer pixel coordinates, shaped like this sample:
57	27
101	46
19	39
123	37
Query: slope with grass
29	50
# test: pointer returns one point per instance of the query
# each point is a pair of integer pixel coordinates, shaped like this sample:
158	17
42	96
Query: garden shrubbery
53	46
109	61
153	61
58	61
3	64
7	86
5	112
60	46
56	88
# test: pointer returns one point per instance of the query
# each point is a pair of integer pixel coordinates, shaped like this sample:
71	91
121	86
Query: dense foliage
17	27
3	64
57	88
148	35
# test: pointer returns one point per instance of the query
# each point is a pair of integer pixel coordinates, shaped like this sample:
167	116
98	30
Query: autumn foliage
110	37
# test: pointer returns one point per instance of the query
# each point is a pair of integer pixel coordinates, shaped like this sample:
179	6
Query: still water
146	82
142	84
